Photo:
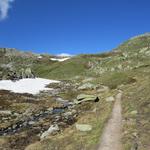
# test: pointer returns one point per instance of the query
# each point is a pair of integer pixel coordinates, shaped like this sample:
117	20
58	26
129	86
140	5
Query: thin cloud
64	55
4	7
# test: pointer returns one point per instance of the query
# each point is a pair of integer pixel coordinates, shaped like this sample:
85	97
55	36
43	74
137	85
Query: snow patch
39	57
31	86
59	59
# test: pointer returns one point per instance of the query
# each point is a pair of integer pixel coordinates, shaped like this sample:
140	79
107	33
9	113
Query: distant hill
45	65
136	43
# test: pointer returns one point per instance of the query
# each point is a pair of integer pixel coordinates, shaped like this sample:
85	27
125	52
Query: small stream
32	120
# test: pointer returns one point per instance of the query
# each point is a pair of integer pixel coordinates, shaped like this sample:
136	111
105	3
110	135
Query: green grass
114	79
137	97
62	70
135	44
71	139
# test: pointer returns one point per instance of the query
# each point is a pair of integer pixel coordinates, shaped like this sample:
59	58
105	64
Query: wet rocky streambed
42	115
57	115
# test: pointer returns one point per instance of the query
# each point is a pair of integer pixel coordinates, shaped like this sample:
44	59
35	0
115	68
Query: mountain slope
126	68
136	43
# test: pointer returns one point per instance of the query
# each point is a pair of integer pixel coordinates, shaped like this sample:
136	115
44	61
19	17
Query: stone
103	89
14	126
31	122
87	80
147	53
84	98
60	100
74	111
110	99
120	67
112	69
57	118
58	110
22	73
51	130
102	70
70	120
87	86
16	114
83	127
135	134
28	73
125	55
5	112
50	109
66	114
134	112
143	50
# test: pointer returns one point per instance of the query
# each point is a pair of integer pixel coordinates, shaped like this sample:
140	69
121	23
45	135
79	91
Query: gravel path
111	138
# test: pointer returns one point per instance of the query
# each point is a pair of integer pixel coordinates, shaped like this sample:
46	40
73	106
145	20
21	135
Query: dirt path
111	138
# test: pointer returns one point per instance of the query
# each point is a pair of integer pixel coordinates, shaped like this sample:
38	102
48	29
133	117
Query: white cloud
4	7
64	55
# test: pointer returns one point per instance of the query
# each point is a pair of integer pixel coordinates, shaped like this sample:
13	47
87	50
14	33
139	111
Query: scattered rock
120	67
58	110
87	80
143	50
66	114
103	89
125	55
134	134
28	73
84	98
5	112
101	70
59	99
31	122
134	112
51	130
112	69
83	127
87	86
110	99
50	109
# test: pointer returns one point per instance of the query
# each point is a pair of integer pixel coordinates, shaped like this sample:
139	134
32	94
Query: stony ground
25	118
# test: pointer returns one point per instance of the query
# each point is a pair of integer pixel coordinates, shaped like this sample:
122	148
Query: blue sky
71	26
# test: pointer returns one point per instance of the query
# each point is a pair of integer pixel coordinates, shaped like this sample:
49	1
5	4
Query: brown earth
111	138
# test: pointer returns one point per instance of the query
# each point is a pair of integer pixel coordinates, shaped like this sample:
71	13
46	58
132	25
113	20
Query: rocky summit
73	101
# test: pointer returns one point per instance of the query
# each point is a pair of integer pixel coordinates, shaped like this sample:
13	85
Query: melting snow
39	57
31	86
60	59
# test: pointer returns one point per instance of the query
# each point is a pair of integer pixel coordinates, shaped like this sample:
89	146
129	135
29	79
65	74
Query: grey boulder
52	129
83	127
86	98
87	86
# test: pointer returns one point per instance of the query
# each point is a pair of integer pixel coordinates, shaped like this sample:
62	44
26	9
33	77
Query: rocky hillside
127	56
135	44
23	64
89	84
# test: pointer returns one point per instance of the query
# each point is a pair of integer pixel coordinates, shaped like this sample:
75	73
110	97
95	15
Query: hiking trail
111	137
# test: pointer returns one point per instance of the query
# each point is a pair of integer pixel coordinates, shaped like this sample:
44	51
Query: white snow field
59	59
31	86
